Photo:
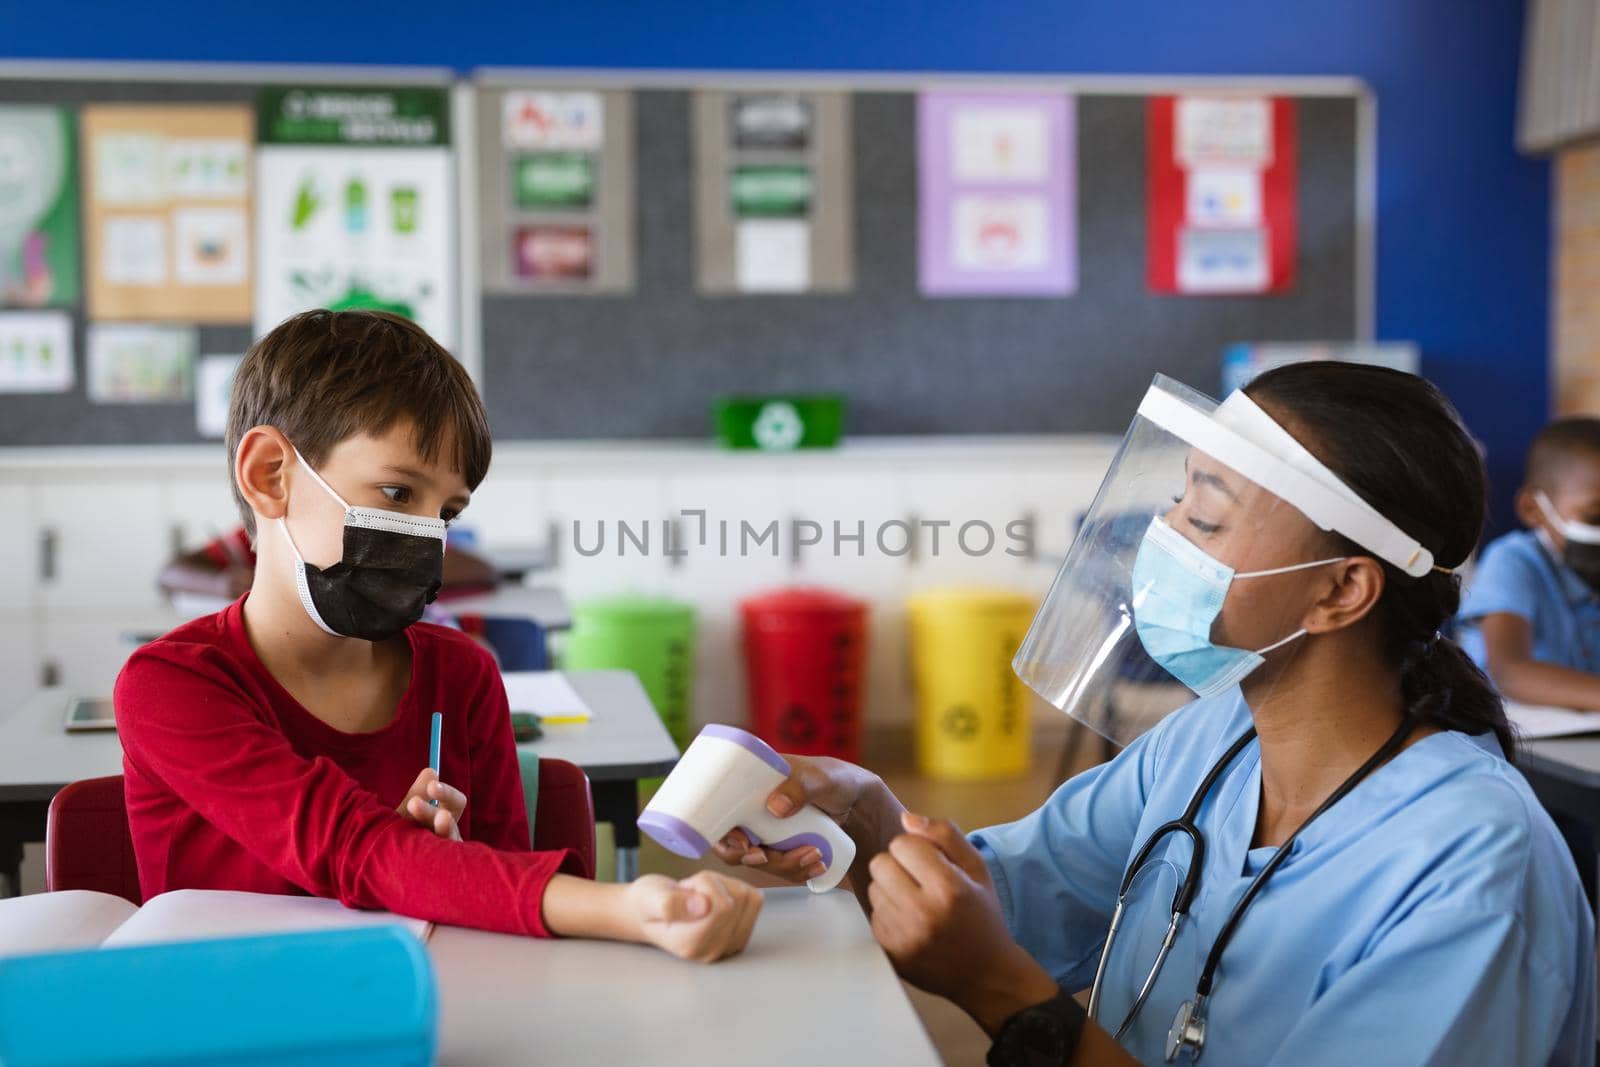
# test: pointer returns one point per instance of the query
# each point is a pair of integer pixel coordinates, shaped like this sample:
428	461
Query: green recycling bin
651	636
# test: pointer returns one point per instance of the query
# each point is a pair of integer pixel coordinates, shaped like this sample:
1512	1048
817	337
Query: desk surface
625	739
811	987
543	604
1575	760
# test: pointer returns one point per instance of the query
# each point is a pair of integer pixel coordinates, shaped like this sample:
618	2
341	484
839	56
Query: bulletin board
117	92
647	363
642	350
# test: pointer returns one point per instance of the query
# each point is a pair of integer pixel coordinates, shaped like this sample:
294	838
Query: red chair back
564	814
86	840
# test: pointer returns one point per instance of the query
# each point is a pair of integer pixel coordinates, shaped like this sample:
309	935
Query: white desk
545	605
624	742
812	987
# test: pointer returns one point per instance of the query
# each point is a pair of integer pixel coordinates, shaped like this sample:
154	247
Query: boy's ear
258	469
1358	584
1527	508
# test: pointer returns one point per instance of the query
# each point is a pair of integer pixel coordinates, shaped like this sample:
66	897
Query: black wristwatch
1044	1035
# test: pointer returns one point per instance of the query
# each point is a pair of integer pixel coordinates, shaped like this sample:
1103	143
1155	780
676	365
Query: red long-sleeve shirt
232	784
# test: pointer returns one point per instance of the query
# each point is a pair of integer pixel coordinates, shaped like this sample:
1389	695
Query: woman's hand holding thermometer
725	781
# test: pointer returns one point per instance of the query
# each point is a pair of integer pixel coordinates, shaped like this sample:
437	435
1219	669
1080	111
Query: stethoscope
1188	1031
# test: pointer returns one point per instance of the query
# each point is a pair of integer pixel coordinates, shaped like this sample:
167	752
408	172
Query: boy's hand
704	918
832	785
442	820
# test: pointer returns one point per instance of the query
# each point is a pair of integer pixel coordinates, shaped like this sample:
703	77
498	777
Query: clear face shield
1196	564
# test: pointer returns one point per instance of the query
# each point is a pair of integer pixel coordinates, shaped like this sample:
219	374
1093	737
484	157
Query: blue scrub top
1432	916
1518	576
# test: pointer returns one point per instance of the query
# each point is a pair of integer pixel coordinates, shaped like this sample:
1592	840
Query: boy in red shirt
276	745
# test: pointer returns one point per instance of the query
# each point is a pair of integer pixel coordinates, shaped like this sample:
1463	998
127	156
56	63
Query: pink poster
997	194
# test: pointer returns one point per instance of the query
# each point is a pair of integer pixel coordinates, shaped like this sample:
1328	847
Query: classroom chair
87	844
519	644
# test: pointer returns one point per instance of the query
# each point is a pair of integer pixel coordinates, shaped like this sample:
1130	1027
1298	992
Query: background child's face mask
1582	551
390	571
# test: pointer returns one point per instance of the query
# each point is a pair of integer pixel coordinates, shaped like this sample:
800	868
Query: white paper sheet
198	914
774	256
1223	261
1224	196
999	144
1534	722
35	352
213	389
547	694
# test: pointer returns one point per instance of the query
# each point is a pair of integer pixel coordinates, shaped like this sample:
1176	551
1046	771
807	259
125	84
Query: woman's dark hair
1396	440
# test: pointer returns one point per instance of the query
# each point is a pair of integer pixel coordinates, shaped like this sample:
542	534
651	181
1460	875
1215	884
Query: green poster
552	180
770	191
328	115
38	207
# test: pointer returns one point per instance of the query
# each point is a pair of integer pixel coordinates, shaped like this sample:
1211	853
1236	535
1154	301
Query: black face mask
1583	560
391	568
1581	554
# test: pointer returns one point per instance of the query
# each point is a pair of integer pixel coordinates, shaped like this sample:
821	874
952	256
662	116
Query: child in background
281	745
1531	617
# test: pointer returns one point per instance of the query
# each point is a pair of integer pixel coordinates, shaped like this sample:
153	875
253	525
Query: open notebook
79	918
1534	722
547	694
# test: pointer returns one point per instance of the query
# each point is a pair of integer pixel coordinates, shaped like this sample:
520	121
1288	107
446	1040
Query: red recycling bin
805	652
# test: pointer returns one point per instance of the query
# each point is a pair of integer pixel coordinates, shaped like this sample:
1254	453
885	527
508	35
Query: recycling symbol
778	426
960	722
795	726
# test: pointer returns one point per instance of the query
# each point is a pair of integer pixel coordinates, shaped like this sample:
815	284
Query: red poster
1221	187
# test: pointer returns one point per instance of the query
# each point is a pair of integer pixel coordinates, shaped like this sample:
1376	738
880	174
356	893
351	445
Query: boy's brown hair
324	376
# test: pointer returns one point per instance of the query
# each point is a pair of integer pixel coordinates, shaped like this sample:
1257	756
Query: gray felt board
648	363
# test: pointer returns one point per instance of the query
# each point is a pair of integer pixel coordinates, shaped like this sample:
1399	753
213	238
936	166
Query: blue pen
433	746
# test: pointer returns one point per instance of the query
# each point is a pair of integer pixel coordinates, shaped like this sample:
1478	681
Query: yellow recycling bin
972	709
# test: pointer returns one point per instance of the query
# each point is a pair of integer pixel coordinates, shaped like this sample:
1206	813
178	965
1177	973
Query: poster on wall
36	352
1221	192
556	190
213	390
167	212
997	197
773	192
355	204
136	363
38	207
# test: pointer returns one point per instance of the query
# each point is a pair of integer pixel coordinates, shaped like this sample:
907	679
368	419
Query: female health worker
1324	856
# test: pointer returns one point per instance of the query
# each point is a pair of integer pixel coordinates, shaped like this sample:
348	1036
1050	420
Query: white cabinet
104	541
19	547
607	532
85	655
88	530
19	662
201	507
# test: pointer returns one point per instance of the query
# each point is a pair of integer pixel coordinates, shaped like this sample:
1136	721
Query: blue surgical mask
1178	590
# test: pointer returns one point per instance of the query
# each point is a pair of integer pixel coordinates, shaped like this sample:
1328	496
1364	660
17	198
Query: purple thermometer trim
674	835
750	743
817	841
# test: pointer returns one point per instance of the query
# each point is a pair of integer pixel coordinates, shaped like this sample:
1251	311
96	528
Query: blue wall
1463	236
